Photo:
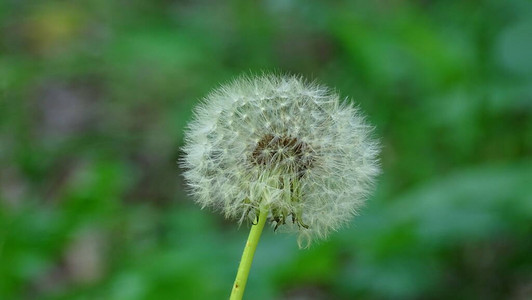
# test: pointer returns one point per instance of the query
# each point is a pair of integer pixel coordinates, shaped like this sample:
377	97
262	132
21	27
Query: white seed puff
283	144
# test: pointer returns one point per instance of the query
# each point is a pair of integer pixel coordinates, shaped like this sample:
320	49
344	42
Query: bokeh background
95	96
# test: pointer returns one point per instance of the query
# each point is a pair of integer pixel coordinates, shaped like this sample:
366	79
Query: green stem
247	256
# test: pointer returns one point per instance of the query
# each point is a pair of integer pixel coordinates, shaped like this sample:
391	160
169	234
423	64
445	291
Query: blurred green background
95	96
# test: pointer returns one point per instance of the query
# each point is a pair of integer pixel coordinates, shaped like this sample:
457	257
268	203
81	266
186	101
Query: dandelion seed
285	143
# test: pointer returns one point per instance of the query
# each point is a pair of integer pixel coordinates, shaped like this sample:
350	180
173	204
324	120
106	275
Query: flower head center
283	152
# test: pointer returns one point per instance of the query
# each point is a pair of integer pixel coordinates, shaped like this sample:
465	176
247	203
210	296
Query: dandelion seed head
285	143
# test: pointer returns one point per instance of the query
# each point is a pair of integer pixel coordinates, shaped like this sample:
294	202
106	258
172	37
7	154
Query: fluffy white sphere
284	144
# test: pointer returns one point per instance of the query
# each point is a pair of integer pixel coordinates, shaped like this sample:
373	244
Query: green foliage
94	97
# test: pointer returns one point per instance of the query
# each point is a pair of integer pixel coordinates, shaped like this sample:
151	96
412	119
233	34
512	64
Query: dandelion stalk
247	257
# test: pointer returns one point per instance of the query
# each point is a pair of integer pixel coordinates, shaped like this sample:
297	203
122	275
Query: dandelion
279	149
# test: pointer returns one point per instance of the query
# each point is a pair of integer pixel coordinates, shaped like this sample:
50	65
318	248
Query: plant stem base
247	257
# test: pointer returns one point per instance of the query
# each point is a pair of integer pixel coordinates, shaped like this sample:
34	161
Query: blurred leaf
514	47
